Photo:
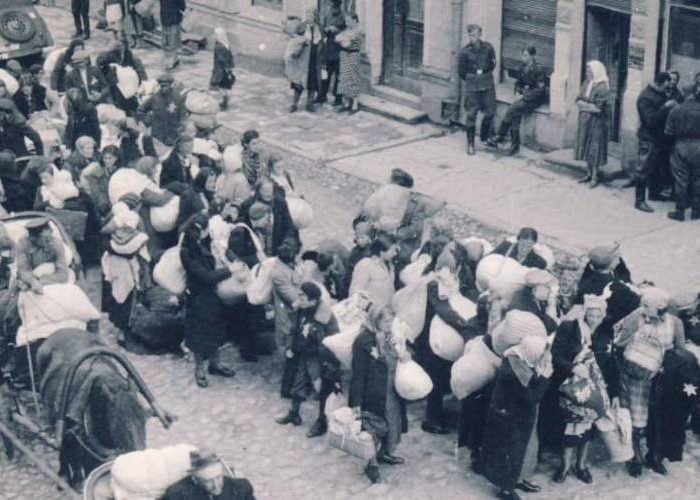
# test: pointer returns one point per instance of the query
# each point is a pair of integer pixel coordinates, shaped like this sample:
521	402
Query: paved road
236	417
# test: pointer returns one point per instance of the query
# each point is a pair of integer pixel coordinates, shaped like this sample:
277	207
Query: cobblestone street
236	417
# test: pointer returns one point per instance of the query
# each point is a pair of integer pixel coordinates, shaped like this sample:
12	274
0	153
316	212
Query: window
273	4
683	42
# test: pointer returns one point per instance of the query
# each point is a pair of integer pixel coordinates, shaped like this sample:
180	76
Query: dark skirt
205	328
118	314
592	139
312	81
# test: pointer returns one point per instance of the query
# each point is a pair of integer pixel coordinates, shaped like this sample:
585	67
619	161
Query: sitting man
532	87
40	247
207	482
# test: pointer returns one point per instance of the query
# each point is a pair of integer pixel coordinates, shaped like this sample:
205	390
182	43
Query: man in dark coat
683	125
208	482
31	96
477	60
81	18
333	22
88	78
531	86
176	167
653	105
120	54
164	111
523	249
82	119
13	130
171	15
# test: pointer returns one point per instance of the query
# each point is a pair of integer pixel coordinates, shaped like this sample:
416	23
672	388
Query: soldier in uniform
531	87
477	61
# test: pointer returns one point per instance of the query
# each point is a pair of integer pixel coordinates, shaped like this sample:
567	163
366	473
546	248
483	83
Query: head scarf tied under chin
530	357
594	302
655	298
222	37
600	75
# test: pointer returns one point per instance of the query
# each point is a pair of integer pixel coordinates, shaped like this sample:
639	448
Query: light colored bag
474	370
501	275
127	80
233	289
169	272
444	340
643	357
616	432
411	381
260	289
164	219
414	271
301	211
410	305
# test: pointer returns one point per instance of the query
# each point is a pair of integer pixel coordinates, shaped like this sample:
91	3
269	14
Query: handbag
643	357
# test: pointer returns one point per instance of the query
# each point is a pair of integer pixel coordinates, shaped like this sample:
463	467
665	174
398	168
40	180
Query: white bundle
201	102
11	83
127	80
444	340
109	113
164	218
411	381
52	59
169	272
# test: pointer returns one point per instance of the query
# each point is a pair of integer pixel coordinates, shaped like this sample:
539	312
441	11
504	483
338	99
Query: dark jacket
75	164
96	82
223	67
473	58
524	300
652	114
684	120
31	104
58	75
532	260
82	122
134	146
234	489
164	114
174	171
12	134
532	82
171	12
368	384
333	47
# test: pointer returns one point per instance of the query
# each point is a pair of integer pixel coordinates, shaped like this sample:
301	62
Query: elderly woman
649	329
573	356
537	298
375	275
523	249
375	354
520	383
205	330
593	121
317	370
81	157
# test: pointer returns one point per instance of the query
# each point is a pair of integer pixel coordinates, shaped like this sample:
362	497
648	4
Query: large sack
201	103
301	211
411	381
109	113
127	80
444	340
260	289
52	59
388	202
410	304
414	271
500	275
474	370
516	326
169	272
233	289
476	247
351	314
148	473
164	219
11	83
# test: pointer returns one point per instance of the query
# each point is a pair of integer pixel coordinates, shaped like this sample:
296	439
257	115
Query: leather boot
471	137
501	136
200	375
514	142
640	198
295	104
594	178
677	215
486	129
319	428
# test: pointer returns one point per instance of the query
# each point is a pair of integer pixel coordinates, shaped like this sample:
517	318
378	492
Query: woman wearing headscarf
520	383
573	356
649	329
375	275
222	77
593	121
538	297
375	354
205	330
81	157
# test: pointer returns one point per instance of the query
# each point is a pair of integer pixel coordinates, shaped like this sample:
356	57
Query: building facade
411	46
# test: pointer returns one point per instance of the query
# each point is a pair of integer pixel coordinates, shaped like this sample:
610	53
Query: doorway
607	40
403	44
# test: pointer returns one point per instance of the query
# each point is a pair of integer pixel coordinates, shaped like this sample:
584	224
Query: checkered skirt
634	395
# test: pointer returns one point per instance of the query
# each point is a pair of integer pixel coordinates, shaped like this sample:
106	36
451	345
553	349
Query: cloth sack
444	340
11	82
616	431
414	271
169	272
233	289
409	304
350	314
301	211
411	381
127	80
389	202
145	8
473	244
164	219
201	103
109	113
516	326
643	357
500	275
260	289
52	59
474	370
148	473
335	401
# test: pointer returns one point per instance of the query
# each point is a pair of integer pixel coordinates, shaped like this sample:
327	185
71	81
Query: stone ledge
390	109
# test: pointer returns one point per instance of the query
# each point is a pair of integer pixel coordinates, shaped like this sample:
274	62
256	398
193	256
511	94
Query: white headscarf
600	74
222	37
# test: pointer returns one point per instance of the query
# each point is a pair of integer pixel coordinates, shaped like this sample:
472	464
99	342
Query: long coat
509	423
223	67
171	12
95	82
80	123
174	171
593	128
205	329
375	278
304	70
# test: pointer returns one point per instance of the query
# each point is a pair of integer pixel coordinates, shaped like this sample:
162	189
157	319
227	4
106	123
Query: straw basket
345	441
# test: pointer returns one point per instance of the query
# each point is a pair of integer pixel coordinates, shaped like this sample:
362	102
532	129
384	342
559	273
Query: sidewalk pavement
501	191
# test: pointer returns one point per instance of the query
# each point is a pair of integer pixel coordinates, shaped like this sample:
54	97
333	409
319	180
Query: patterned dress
349	85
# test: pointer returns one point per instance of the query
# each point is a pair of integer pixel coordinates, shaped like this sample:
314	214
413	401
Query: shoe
221	371
319	428
290	418
657	466
77	34
593	183
310	108
634	468
354	111
585	179
434	428
560	475
201	379
694	214
584	475
643	207
338	101
627	184
343	109
293	108
659	197
372	472
508	495
470	150
528	487
678	215
386	458
513	150
495	141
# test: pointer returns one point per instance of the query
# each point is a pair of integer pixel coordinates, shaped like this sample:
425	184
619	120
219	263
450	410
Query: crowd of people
170	205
